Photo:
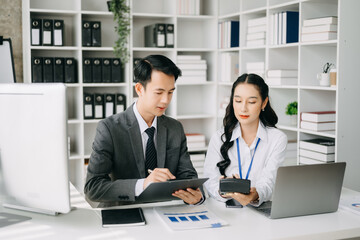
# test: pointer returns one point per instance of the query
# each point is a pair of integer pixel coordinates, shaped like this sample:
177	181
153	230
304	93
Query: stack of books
195	141
282	77
188	7
256	32
193	69
318	121
229	34
316	151
284	28
319	29
198	160
229	67
256	67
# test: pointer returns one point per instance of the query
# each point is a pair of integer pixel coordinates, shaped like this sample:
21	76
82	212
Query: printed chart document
189	217
351	204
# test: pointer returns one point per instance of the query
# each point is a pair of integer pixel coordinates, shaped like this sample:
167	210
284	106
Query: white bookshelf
196	105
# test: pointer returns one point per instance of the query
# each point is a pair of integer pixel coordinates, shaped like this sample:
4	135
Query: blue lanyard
252	158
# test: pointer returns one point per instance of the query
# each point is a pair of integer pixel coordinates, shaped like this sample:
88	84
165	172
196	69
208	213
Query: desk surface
85	223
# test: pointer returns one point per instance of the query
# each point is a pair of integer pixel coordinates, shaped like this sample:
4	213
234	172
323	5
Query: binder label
58	37
161	40
98	111
35	36
109	106
119	108
47	37
88	110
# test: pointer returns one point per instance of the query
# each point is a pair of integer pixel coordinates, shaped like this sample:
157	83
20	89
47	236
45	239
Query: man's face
156	97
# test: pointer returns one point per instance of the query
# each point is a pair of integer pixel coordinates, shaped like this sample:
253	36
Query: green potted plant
292	111
121	12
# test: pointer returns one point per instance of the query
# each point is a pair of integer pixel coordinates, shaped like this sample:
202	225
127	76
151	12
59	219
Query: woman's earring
263	109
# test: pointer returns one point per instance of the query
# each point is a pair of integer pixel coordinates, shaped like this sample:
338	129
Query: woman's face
247	104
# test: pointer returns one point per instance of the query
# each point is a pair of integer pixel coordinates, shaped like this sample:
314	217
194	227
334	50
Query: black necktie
150	154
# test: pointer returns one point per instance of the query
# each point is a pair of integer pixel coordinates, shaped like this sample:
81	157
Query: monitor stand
36	210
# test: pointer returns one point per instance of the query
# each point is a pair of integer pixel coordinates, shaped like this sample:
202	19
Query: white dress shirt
143	126
268	157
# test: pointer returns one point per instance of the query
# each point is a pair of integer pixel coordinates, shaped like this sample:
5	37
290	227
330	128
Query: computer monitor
7	69
34	147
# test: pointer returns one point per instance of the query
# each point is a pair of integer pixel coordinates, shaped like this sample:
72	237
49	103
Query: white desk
85	224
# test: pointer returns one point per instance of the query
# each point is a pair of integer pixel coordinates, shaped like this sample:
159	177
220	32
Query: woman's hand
244	199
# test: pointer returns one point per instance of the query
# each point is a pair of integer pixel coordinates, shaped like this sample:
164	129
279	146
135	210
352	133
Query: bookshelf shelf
196	105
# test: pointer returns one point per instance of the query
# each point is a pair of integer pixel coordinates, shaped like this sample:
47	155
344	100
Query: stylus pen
150	171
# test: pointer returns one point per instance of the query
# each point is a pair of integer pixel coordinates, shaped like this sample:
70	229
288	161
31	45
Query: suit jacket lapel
161	140
136	141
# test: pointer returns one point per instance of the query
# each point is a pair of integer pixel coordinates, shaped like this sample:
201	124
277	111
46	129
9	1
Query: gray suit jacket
117	160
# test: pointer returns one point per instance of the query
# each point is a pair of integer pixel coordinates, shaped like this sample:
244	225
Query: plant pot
293	120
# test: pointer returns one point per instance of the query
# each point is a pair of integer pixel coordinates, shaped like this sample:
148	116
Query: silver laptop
305	190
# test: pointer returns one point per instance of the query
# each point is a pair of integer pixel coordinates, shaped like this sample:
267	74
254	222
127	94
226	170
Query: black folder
87	70
155	35
86	34
59	70
96	34
135	62
120	103
99	105
116	70
109	104
70	70
96	70
88	106
37	69
58	33
48	69
47	32
36	29
106	70
122	217
169	35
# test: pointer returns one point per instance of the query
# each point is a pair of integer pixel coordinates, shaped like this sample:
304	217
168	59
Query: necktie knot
150	132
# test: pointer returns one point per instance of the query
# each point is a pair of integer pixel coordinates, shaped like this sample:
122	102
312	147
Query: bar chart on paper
189	217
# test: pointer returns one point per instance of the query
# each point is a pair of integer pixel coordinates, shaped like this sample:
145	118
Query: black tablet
161	191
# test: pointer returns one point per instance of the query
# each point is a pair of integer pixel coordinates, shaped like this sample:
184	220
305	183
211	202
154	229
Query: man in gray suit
126	158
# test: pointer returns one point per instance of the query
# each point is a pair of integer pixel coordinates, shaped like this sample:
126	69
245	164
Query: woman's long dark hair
268	117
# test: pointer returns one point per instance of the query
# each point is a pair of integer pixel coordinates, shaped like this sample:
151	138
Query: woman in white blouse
249	137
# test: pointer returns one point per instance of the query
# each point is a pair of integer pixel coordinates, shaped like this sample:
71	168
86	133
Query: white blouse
268	157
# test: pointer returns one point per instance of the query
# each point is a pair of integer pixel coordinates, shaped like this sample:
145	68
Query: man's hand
158	175
189	196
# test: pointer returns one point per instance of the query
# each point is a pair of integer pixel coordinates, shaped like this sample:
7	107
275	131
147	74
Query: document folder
109	104
36	28
87	70
58	33
70	70
86	34
47	34
48	67
96	34
106	70
59	70
155	35
116	71
99	105
170	35
96	70
37	69
120	103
